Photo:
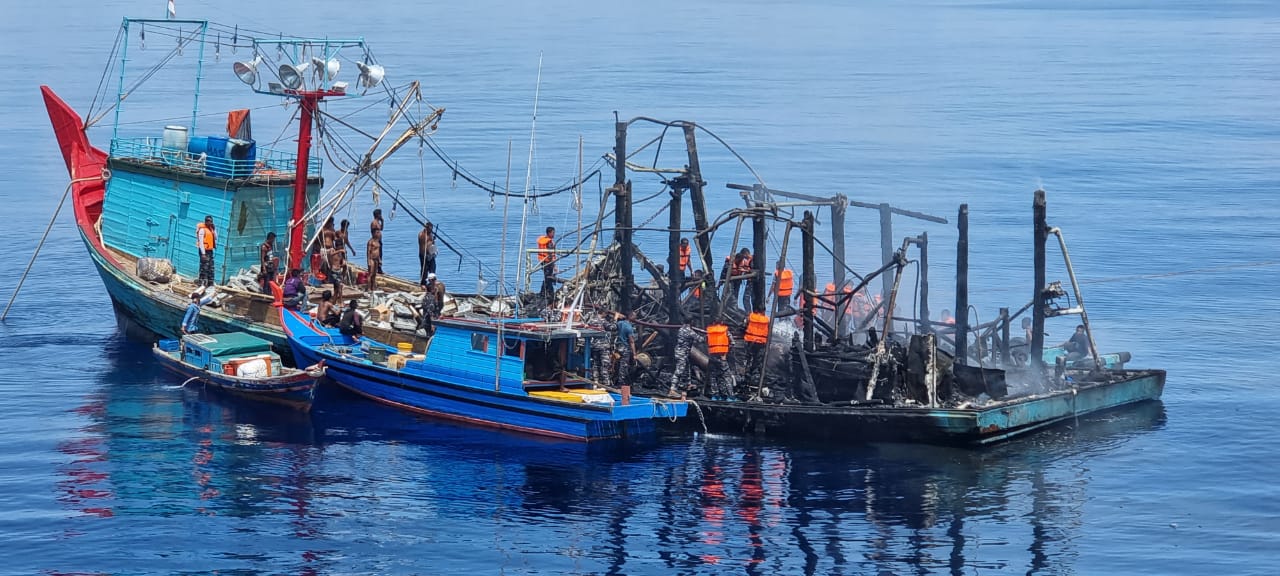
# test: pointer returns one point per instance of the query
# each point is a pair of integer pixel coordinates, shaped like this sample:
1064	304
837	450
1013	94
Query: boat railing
252	162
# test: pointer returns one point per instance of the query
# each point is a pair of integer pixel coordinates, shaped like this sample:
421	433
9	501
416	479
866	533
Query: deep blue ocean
1154	126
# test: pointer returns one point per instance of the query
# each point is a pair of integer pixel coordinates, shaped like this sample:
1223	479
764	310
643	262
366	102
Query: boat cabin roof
228	343
525	328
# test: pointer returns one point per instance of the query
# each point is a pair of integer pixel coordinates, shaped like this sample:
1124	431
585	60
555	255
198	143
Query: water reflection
357	486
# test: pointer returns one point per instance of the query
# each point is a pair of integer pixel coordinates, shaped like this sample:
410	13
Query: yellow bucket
405	347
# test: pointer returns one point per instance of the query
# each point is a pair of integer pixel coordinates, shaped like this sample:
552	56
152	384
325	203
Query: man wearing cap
191	320
206	243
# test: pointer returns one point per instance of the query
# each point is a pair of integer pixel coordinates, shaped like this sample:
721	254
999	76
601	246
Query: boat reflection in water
358	487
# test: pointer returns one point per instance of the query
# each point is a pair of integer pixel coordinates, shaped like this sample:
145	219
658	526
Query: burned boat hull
988	424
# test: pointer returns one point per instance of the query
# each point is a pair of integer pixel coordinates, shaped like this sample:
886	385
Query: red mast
308	99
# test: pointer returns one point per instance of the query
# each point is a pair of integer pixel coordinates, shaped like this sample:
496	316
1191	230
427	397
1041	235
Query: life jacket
277	292
208	240
685	251
786	283
828	295
757	328
545	243
718	339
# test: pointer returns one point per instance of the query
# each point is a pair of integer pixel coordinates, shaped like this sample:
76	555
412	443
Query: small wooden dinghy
242	364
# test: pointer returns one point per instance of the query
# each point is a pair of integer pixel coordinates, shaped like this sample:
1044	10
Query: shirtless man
337	266
344	237
376	223
373	253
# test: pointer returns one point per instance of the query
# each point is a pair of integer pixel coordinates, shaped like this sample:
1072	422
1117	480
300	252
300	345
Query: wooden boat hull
295	389
959	426
463	403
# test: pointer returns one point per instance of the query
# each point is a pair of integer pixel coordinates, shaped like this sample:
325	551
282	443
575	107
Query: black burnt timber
808	278
699	203
756	284
675	275
622	215
962	286
1037	299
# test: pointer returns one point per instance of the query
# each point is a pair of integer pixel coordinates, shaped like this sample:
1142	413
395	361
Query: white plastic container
174	143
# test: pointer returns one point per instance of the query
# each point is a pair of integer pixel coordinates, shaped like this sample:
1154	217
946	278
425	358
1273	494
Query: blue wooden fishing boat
516	374
241	364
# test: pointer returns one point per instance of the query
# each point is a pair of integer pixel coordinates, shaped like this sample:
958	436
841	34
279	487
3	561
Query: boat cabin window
513	347
480	342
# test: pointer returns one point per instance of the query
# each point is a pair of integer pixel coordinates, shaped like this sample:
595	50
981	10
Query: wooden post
925	325
886	247
838	208
758	288
1004	337
675	276
962	287
622	216
699	203
1038	210
808	278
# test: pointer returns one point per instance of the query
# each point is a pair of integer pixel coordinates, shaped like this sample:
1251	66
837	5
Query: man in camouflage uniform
686	337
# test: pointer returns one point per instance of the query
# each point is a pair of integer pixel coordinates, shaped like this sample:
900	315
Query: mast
308	101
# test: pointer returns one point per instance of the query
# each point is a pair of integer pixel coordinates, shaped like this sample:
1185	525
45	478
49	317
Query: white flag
173	12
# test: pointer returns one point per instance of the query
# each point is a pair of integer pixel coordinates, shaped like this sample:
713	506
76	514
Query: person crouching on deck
327	313
191	320
293	292
351	323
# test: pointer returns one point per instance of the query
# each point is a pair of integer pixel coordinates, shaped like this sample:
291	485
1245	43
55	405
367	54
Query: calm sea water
1154	126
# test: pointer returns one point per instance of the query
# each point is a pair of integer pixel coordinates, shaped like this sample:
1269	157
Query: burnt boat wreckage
836	366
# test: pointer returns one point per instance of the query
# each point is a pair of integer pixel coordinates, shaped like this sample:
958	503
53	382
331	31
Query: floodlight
291	75
247	71
329	67
370	74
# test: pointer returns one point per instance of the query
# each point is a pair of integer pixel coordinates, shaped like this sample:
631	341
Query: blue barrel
198	145
217	164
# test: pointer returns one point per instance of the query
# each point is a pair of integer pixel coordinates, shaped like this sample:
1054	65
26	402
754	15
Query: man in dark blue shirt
1077	346
626	347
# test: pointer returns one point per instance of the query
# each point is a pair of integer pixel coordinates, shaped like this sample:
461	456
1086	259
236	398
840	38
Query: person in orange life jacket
327	313
206	243
757	337
546	259
351	324
191	320
783	288
685	253
719	343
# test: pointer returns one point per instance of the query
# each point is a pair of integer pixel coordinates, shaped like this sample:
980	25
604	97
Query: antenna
528	176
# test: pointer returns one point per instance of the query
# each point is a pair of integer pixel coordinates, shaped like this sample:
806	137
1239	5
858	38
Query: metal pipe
1075	287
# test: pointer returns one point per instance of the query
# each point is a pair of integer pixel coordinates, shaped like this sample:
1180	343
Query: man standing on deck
374	254
206	243
426	253
718	344
376	223
432	303
268	262
626	348
546	259
686	337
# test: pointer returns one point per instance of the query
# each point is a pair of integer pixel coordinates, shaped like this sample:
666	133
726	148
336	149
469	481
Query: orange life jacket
785	283
277	291
718	339
208	240
684	257
757	328
545	243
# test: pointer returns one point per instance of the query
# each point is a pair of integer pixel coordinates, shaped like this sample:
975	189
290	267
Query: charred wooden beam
839	204
674	273
699	202
622	216
962	286
886	246
808	278
1039	216
758	237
